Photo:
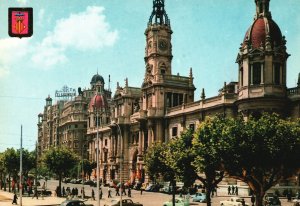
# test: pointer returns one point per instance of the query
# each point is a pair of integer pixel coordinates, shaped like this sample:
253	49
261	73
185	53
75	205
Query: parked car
296	202
90	182
178	202
233	201
125	202
74	203
272	200
199	197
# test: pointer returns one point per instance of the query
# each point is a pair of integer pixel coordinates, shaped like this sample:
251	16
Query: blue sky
73	38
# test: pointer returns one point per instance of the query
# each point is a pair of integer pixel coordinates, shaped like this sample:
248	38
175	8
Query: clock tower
158	51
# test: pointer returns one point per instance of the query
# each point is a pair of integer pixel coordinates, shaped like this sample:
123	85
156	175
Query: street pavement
147	198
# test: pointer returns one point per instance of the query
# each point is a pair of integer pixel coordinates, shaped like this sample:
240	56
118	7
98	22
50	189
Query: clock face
162	45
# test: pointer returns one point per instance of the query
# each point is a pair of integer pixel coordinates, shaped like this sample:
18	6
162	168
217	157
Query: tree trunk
259	198
208	199
59	185
173	192
9	183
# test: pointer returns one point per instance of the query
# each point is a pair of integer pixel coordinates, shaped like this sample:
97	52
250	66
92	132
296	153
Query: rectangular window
105	142
256	73
192	127
174	132
277	73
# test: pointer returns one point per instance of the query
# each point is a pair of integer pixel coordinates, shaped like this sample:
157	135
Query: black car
74	203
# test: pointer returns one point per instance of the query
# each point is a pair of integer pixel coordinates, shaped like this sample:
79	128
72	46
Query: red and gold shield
20	22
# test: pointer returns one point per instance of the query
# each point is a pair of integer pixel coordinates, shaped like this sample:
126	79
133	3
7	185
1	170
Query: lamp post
97	157
121	157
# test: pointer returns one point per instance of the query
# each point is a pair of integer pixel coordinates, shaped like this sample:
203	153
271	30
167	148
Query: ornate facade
137	117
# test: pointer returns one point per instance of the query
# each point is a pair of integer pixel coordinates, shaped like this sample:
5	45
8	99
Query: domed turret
262	65
96	78
261	31
98	102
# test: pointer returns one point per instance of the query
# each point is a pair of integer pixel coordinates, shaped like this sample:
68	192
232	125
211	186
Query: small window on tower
174	132
162	71
256	73
277	73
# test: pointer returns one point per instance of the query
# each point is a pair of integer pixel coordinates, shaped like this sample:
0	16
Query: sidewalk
6	199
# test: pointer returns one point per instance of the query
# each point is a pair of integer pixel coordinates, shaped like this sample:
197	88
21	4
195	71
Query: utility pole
36	165
21	177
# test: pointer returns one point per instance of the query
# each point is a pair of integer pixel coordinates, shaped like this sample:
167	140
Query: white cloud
12	51
22	1
83	31
87	30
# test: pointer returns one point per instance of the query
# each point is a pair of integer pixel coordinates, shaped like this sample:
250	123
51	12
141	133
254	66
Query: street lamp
121	156
98	103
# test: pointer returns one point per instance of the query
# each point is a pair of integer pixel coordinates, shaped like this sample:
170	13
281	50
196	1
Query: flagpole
21	186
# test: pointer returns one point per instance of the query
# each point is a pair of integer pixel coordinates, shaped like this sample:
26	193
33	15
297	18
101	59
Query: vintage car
296	202
74	203
125	202
271	200
178	202
233	201
199	197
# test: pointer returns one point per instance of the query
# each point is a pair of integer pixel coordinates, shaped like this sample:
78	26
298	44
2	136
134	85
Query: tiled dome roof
97	78
98	102
257	33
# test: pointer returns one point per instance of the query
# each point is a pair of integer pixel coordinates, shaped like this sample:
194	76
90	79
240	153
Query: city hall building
132	119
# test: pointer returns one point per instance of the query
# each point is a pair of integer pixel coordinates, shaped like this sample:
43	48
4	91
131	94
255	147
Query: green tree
11	165
261	152
59	161
207	140
2	169
87	167
156	166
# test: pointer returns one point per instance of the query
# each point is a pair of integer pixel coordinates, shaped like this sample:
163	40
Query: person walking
93	194
63	191
129	192
123	190
117	191
109	193
236	191
229	189
232	190
252	199
100	193
15	199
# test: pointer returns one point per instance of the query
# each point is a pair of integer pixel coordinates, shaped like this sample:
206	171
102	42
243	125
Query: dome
257	33
98	101
97	78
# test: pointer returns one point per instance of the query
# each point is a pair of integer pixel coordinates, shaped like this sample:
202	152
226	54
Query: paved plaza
147	198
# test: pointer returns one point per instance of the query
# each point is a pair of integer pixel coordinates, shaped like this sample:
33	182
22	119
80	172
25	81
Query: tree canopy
59	161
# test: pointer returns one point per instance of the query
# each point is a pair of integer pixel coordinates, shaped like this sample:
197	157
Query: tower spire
159	14
262	9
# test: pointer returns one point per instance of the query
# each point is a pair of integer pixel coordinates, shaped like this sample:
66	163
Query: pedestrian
289	196
252	199
236	191
243	202
100	194
35	193
232	190
229	189
109	193
93	194
123	190
142	188
15	199
63	191
117	191
129	192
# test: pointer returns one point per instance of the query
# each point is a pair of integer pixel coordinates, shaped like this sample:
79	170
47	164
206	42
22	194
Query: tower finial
298	83
262	8
203	94
159	13
126	82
